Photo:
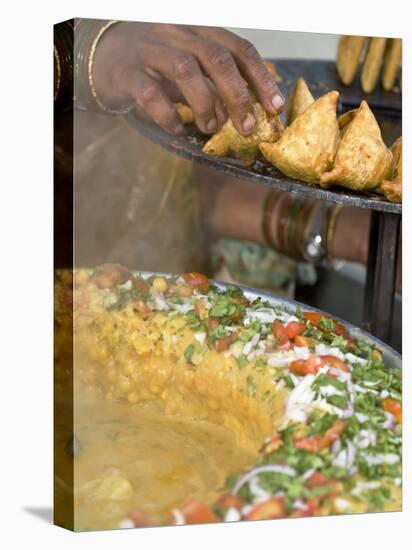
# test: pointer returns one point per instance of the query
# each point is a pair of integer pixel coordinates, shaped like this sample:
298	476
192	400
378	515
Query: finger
150	97
220	110
218	63
183	69
170	88
251	65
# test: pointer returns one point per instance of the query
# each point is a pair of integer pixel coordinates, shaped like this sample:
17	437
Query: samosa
349	53
362	161
307	147
392	189
227	141
392	63
345	119
373	63
298	101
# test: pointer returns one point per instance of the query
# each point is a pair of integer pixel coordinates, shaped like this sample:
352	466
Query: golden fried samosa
362	161
273	71
392	63
392	189
373	63
397	158
298	101
185	113
308	146
349	53
344	120
228	141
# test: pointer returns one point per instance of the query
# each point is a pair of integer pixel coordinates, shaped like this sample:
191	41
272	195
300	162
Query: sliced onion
335	447
274	468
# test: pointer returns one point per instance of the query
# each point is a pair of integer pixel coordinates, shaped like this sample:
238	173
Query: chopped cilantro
251	386
326	324
189	351
242	361
324	423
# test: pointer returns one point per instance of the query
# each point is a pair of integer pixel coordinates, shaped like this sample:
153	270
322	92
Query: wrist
351	235
112	65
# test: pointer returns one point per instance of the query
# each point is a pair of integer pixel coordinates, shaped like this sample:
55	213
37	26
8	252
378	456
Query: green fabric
258	266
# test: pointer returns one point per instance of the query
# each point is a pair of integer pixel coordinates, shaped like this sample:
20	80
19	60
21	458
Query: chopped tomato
212	324
230	501
200	309
197	280
237	315
273	444
138	517
334	362
313	316
393	407
196	511
312	509
317	480
224	343
110	275
317	443
340	330
305	341
302	367
294	328
184	291
140	285
269	509
142	308
280	334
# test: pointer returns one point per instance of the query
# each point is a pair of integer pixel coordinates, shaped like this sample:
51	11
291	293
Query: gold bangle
92	52
330	231
268	209
58	71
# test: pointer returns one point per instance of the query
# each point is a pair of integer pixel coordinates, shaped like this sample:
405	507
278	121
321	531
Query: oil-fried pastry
392	189
349	53
228	141
392	63
185	113
298	101
307	147
373	63
273	71
362	161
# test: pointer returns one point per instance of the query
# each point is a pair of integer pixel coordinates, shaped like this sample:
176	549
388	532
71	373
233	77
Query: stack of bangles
75	44
300	228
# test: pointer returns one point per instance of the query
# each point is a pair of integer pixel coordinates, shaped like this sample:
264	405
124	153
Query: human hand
155	65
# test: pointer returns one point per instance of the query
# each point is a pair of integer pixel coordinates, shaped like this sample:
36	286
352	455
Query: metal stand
381	274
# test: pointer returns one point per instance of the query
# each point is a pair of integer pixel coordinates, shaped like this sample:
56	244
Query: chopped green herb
242	361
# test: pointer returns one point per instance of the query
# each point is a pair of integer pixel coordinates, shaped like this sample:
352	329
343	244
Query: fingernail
278	101
248	123
211	125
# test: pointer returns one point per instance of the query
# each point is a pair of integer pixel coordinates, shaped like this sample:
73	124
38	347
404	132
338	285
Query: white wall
291	44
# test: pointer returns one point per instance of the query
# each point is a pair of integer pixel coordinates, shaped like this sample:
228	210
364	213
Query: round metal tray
321	77
391	357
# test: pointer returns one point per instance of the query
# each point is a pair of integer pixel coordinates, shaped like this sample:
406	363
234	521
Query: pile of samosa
379	56
316	146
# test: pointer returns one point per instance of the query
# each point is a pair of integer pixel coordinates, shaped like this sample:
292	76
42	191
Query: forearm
235	209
